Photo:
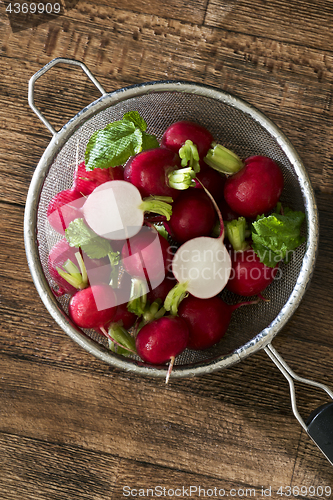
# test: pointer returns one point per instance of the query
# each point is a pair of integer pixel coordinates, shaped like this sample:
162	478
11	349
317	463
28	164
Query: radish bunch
155	231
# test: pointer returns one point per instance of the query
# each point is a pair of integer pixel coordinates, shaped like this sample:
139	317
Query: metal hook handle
57	60
319	425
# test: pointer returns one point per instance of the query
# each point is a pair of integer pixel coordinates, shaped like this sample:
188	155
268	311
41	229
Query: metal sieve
238	126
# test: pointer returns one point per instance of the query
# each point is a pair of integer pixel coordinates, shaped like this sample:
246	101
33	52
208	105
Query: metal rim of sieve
319	424
264	338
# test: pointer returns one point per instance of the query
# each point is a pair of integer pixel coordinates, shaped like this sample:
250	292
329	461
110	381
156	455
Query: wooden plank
72	426
40	470
142	477
170	429
306	475
174	9
204	51
198	45
281	80
13	258
37	470
312	26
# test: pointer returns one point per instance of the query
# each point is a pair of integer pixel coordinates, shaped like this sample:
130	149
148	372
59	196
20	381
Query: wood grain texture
164	431
298	22
281	79
38	470
74	427
66	469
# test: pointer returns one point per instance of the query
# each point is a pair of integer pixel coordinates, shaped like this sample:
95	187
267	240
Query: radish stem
152	311
175	296
82	267
182	178
124	339
138	297
223	160
189	155
218	211
157	204
236	232
71	273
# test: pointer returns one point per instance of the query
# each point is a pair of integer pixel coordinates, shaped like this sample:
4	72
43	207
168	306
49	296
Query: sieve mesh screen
231	127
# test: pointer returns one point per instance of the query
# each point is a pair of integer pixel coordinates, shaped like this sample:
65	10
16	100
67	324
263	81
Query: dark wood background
72	427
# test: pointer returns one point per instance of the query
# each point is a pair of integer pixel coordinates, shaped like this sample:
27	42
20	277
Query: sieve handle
319	425
57	60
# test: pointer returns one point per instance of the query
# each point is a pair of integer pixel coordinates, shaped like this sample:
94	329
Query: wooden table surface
71	426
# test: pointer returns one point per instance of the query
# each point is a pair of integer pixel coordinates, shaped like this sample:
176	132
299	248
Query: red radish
212	180
161	291
207	320
249	276
179	132
227	213
98	270
59	254
256	188
147	256
201	266
193	215
115	210
64	208
93	307
184	137
156	171
85	181
124	317
162	340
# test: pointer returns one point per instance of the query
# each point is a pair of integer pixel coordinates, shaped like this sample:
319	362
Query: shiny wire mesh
231	127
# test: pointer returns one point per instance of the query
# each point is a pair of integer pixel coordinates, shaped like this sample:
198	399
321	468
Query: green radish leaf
275	236
79	235
162	231
115	124
266	255
134	117
113	146
118	141
149	141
